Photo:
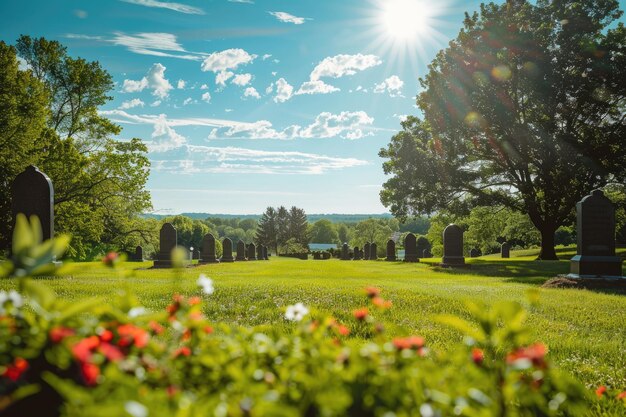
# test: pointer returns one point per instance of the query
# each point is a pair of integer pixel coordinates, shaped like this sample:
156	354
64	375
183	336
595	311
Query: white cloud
288	18
251	92
132	103
153	44
401	117
206	97
269	88
242	79
266	56
340	65
156	103
164	137
316	87
284	91
177	7
228	59
345	124
188	100
155	80
204	87
222	77
228	110
181	84
393	85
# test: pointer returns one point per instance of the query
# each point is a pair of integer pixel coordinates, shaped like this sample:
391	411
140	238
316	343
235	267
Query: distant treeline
312	218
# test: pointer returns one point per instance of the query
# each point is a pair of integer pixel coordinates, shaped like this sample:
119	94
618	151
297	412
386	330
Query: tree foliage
283	229
525	109
323	231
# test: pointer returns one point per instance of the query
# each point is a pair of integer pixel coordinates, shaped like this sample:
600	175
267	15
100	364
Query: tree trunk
547	252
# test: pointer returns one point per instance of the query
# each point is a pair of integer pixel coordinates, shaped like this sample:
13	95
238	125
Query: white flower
136	312
296	312
206	283
136	409
13	296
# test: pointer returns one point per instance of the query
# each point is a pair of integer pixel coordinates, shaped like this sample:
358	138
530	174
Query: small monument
595	228
251	252
167	243
208	255
138	255
259	252
422	244
474	253
410	248
366	251
265	255
426	253
345	255
357	253
391	251
195	254
227	250
373	252
33	195
241	251
453	246
505	250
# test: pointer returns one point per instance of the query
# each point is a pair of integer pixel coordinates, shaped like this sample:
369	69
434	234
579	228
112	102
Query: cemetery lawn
584	330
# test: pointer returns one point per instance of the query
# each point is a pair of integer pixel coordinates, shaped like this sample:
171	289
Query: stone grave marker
474	253
138	255
227	250
241	251
453	246
265	254
391	250
421	244
251	252
345	255
208	255
595	229
196	254
259	252
505	250
366	251
167	243
410	248
33	195
357	253
426	253
373	252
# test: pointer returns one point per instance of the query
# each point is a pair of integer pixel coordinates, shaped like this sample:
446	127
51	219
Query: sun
405	20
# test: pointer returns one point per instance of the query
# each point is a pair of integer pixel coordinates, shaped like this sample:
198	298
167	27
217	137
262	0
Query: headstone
373	252
410	248
167	242
227	250
259	252
426	253
265	255
422	244
345	255
453	246
241	251
595	229
208	255
505	250
33	195
325	255
391	250
357	253
138	255
317	255
474	253
251	252
196	254
366	251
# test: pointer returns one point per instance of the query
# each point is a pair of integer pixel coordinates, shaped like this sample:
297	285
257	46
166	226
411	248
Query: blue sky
246	104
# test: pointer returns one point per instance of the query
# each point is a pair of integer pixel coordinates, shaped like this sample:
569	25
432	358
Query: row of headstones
369	252
168	241
32	194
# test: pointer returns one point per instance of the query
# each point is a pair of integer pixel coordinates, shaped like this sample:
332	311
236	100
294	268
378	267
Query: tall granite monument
453	246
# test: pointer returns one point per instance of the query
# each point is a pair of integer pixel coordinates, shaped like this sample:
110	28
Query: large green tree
525	109
323	231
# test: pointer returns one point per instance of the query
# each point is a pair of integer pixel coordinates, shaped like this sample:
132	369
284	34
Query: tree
282	226
323	231
345	233
278	226
525	109
372	230
267	229
297	226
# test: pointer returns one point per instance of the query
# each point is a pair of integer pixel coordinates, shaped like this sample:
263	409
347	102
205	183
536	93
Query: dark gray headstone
167	243
33	195
410	248
357	253
422	244
453	246
227	250
265	255
259	252
138	255
196	254
251	252
345	255
241	251
366	251
474	253
426	253
373	252
391	250
505	250
595	228
208	255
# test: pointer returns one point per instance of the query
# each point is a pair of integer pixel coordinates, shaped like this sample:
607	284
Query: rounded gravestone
505	250
391	250
345	256
259	252
251	252
241	251
167	243
595	228
32	194
410	248
138	255
208	255
422	244
426	253
227	250
373	252
474	253
366	251
265	255
453	246
357	253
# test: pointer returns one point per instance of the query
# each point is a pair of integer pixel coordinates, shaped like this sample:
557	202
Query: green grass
584	330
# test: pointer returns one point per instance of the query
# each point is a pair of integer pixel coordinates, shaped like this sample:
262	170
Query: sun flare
406	19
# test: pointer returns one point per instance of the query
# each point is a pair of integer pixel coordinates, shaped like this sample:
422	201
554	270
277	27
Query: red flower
16	369
171	391
343	330
600	391
195	315
194	300
184	351
82	350
411	342
58	333
110	259
131	334
380	303
361	313
106	336
208	329
621	395
156	327
372	292
401	343
535	353
90	373
478	356
111	352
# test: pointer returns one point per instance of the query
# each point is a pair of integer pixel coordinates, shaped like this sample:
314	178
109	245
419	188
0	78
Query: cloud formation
242	79
393	85
132	103
228	59
341	65
251	92
177	7
316	87
284	91
153	43
288	18
155	80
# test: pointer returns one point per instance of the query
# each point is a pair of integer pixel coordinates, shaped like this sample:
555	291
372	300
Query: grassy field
584	330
